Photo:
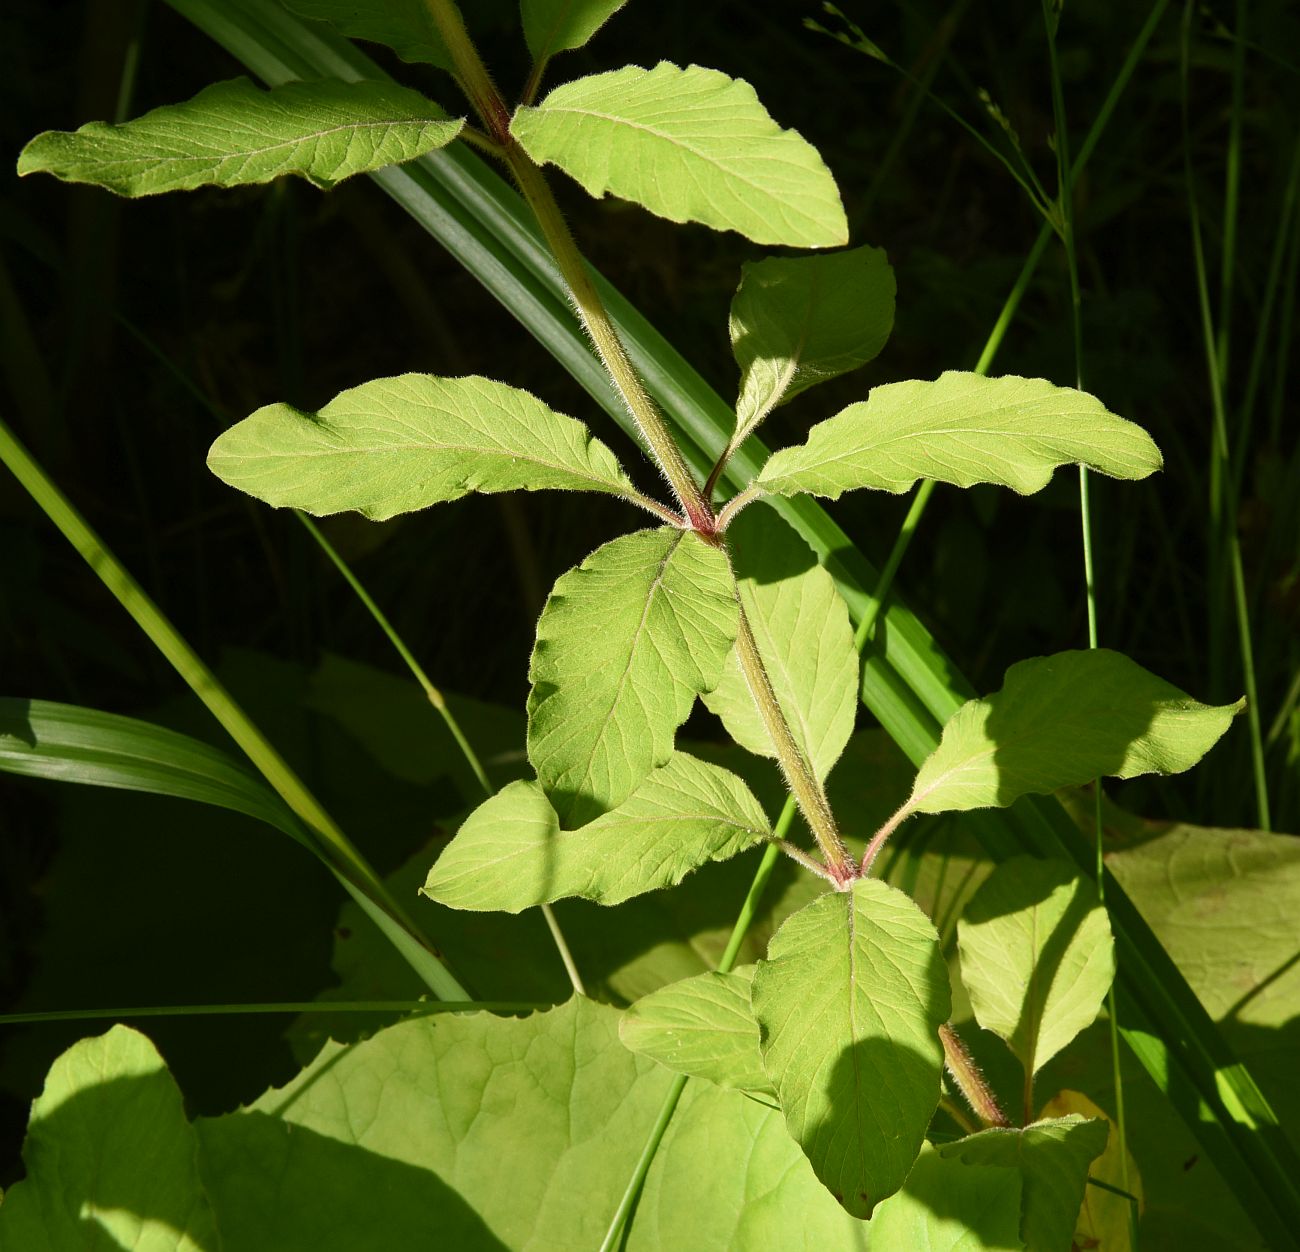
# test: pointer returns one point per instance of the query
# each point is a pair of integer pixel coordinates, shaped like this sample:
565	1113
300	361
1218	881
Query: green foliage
798	321
399	444
552	26
403	25
233	133
626	642
511	853
848	1003
1037	956
691	145
961	429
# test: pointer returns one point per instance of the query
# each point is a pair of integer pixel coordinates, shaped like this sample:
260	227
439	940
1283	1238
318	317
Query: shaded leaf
798	321
691	145
625	643
803	633
1052	1158
398	444
727	1175
961	429
703	1027
849	1003
1037	957
406	26
233	133
1061	721
511	853
111	1160
949	1206
552	26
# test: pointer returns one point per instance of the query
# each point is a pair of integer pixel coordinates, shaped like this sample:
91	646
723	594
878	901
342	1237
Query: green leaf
625	643
511	854
552	26
849	1003
464	1131
1061	721
703	1027
798	321
949	1206
111	1160
233	133
406	26
961	429
1052	1158
803	633
66	743
727	1175
398	444
1036	956
691	145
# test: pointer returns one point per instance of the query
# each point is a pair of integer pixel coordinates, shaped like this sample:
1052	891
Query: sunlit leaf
552	26
1052	1158
691	145
406	26
234	133
626	642
797	321
961	429
703	1027
111	1160
1037	956
1060	721
849	1003
802	628
398	444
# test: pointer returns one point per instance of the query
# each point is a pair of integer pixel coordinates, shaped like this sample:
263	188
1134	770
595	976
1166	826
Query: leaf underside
552	26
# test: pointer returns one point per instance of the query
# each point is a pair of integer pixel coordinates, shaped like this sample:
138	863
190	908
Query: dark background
133	331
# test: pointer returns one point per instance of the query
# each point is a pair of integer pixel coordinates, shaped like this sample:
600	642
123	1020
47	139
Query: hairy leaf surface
234	133
1037	957
691	145
961	429
398	444
1061	721
1052	1158
511	853
849	1003
704	1027
406	26
552	26
626	642
802	628
111	1160
798	321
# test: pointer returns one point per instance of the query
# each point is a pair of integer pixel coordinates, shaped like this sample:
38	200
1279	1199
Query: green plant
712	604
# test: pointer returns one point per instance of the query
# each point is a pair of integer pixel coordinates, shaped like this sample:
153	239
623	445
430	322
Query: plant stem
970	1080
471	73
881	837
799	775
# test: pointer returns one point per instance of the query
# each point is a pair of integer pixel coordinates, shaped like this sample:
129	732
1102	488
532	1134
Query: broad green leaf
406	26
803	633
234	133
703	1027
849	1004
111	1161
511	854
625	643
552	26
798	321
691	145
961	429
727	1175
466	1132
1061	721
1052	1158
1037	956
398	444
66	743
1104	1218
949	1206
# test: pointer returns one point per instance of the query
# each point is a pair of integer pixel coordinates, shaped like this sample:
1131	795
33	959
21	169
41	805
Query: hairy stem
970	1080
